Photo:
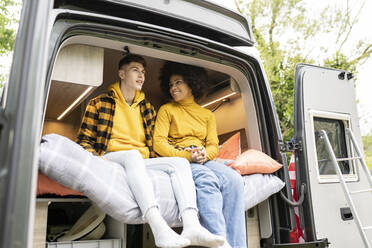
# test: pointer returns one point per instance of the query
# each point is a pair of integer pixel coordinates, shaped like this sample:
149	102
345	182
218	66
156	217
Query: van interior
84	68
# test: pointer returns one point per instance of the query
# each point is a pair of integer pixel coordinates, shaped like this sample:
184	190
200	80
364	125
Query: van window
335	130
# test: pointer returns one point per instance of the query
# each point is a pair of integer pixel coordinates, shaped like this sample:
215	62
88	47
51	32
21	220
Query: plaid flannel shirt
96	127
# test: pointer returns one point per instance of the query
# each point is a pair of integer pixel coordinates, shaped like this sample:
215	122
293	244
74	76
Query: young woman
185	129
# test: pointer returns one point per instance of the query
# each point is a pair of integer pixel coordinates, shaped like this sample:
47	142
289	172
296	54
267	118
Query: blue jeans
219	193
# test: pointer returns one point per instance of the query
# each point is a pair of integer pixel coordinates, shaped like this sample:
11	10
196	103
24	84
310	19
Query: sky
361	31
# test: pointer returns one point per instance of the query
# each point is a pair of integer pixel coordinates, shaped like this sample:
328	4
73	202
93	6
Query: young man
119	125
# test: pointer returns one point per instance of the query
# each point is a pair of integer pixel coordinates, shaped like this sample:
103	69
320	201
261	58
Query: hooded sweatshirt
128	132
184	124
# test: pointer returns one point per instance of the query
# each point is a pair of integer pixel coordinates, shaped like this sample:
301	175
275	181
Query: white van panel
327	96
200	12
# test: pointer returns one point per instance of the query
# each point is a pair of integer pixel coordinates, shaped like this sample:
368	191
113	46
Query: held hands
198	155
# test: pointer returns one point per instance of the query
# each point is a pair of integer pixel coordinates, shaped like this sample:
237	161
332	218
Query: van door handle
300	199
346	214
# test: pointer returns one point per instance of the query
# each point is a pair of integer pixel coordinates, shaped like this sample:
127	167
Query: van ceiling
62	94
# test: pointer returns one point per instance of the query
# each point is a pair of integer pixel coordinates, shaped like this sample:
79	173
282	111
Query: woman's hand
198	155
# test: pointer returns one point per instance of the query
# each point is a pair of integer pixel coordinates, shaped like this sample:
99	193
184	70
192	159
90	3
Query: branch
351	25
365	54
237	5
344	23
275	10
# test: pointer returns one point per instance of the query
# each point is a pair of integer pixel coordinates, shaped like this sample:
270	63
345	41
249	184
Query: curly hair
195	77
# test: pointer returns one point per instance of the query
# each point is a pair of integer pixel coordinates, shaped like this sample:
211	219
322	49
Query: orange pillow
230	149
45	185
253	161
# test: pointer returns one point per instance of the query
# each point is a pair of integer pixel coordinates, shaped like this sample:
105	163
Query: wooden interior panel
65	129
40	224
231	116
243	138
61	96
68	127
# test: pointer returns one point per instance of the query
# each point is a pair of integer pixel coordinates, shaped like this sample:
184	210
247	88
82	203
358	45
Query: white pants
140	183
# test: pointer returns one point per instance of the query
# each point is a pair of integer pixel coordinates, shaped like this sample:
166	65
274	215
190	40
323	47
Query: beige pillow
253	161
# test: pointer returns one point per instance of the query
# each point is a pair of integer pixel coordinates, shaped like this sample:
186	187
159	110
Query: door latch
290	146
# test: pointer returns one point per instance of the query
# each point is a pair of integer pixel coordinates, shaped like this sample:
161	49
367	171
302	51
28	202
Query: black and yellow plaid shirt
96	127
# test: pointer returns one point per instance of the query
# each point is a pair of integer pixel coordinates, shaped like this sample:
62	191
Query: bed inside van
85	66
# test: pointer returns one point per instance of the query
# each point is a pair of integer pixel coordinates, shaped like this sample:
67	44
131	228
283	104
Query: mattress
68	169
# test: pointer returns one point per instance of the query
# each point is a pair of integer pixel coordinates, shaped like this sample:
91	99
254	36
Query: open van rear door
20	125
325	100
186	16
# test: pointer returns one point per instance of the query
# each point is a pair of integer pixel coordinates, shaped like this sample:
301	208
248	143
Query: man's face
132	75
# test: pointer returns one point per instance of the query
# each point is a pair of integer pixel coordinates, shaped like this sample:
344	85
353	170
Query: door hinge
290	146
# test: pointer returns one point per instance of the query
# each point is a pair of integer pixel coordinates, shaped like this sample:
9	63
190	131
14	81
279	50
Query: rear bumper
314	244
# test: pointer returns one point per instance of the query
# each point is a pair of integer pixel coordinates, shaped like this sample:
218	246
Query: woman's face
178	88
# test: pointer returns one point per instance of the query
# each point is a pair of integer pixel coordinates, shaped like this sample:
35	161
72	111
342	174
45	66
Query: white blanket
104	182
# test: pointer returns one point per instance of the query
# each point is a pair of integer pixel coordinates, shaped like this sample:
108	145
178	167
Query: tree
285	33
7	31
367	144
344	21
7	34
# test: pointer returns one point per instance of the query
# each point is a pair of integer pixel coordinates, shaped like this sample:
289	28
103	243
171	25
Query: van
66	52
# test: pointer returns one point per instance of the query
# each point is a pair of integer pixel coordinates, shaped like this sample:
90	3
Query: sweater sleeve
87	135
161	144
211	143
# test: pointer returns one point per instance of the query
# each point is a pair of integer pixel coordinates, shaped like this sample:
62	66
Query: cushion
45	185
229	150
258	187
253	161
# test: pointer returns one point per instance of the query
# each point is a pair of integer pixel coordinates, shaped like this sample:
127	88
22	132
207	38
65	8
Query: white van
65	48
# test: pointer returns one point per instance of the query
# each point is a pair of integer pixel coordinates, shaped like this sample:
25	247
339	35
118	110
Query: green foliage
367	144
340	62
271	19
9	14
286	35
7	34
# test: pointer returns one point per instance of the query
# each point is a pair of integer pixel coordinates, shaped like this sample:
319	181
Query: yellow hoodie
127	132
184	124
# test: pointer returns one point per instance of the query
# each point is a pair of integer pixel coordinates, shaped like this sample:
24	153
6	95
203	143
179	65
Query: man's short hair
131	58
